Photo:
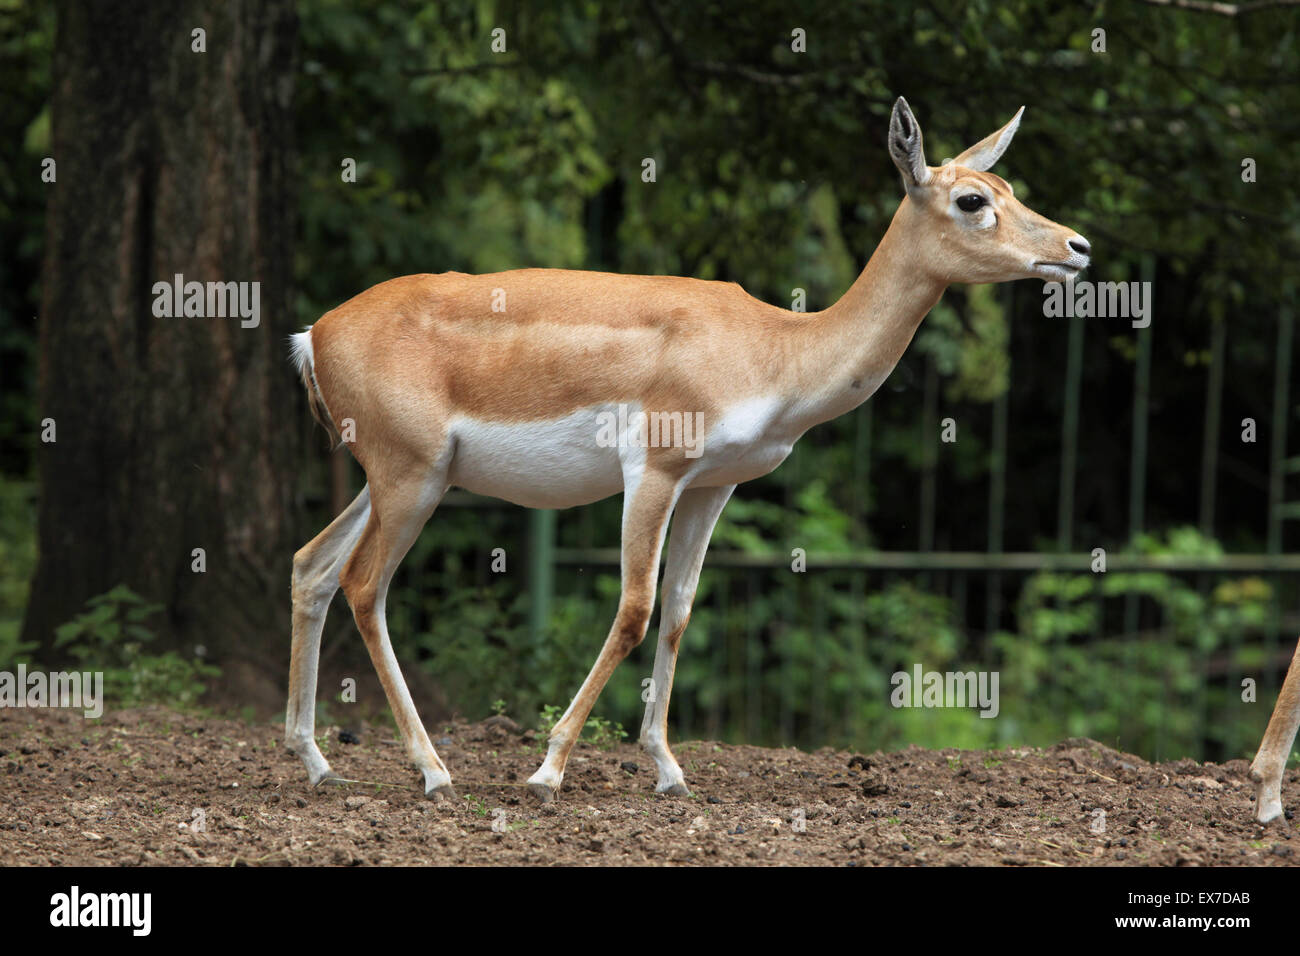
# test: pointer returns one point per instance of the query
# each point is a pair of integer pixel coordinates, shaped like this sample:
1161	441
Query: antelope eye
970	202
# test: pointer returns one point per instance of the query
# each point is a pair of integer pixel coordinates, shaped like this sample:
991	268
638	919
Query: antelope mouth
1057	271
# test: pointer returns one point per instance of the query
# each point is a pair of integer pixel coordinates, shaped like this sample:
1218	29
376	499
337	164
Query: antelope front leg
693	523
1270	762
645	518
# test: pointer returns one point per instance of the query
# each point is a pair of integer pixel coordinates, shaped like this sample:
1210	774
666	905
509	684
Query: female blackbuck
551	388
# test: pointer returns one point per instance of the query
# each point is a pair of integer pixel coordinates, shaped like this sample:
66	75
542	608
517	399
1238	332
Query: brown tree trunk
172	433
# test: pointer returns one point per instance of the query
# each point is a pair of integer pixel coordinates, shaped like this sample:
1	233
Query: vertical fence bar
1138	464
1069	455
1277	444
1213	414
816	732
1276	464
733	678
857	651
541	571
1070	432
718	651
860	493
1209	491
1141	407
997	505
929	456
753	668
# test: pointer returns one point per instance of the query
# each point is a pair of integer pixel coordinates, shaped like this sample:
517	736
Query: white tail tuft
300	352
304	359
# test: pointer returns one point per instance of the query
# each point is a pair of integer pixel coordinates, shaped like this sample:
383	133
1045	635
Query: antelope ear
987	151
905	146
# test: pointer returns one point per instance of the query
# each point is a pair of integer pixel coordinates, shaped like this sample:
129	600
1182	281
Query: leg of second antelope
399	510
645	518
1267	768
693	521
316	569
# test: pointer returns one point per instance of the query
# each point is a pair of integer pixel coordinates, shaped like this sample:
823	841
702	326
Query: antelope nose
1080	245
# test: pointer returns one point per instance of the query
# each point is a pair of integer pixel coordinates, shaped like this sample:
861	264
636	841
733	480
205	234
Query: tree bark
172	433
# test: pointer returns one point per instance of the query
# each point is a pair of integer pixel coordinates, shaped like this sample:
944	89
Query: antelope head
965	223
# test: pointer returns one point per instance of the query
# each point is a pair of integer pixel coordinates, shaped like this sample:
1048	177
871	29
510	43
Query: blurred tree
171	432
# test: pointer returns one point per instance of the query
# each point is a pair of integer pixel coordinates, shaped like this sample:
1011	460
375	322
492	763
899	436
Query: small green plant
598	731
109	636
499	707
546	721
604	734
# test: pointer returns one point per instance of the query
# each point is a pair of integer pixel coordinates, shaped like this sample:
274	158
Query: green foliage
973	356
1149	690
604	734
110	635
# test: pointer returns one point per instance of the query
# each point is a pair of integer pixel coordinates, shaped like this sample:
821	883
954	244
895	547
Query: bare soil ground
125	791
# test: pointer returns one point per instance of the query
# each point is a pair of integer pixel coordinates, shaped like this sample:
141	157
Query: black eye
970	202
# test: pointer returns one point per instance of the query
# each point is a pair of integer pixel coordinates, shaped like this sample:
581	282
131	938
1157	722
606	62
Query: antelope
502	384
1269	763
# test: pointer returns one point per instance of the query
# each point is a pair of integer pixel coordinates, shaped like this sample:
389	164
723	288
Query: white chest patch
750	440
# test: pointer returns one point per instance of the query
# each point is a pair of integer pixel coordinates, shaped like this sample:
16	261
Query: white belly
578	459
555	464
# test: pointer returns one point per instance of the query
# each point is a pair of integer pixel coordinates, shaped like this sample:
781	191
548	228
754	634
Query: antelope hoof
1269	811
439	794
544	792
329	776
1268	805
1268	795
673	790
